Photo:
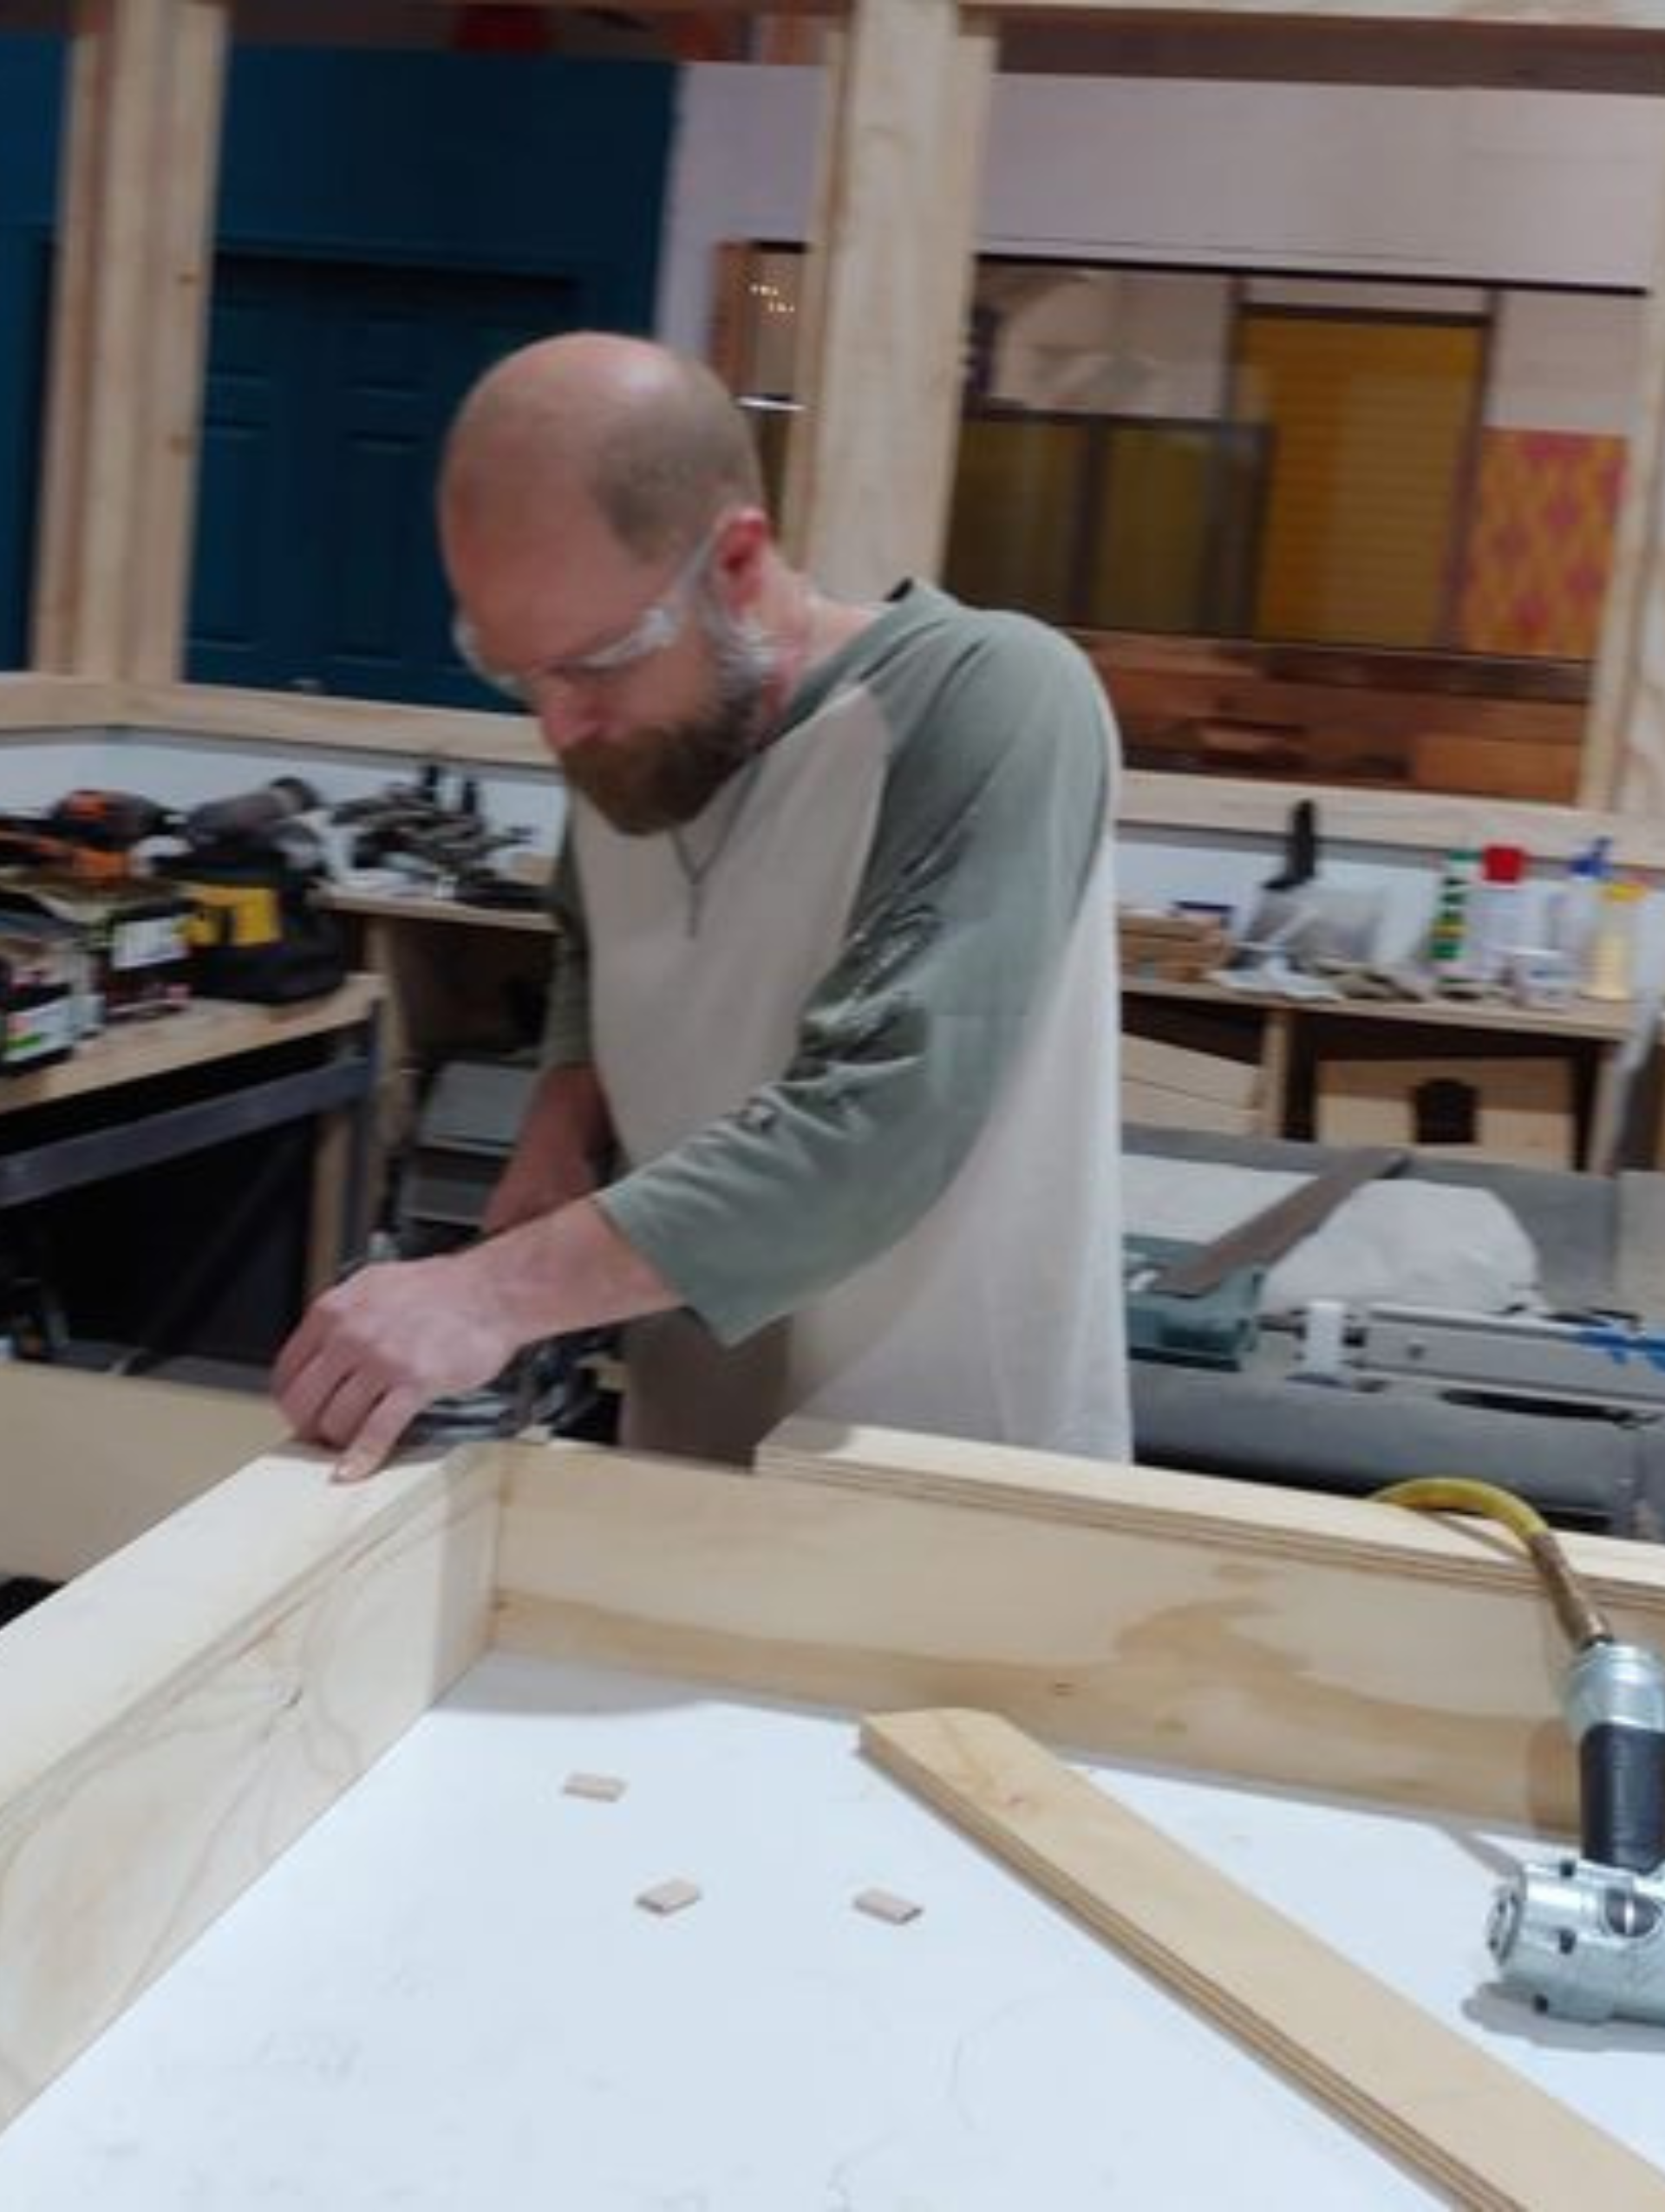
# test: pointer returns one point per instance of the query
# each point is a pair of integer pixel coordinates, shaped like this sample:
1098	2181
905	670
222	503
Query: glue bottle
1612	952
1494	929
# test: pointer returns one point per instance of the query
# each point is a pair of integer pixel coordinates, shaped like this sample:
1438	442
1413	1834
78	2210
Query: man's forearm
565	1270
565	1136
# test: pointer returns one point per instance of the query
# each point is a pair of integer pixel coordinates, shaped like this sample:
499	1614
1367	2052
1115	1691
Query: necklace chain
697	871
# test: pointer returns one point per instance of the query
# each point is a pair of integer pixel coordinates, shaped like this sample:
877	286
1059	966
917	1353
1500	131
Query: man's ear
740	558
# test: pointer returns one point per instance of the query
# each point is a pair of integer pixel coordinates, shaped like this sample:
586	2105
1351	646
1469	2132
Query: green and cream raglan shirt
857	1027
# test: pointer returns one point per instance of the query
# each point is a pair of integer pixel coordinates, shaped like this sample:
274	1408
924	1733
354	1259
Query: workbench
463	978
431	1984
144	1093
457	979
1289	1042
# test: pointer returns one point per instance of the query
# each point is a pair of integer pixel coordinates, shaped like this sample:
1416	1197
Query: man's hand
374	1350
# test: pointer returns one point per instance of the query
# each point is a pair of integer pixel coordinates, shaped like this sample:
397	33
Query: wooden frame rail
869	473
177	1715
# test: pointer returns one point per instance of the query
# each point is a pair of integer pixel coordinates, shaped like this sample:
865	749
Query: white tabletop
444	1998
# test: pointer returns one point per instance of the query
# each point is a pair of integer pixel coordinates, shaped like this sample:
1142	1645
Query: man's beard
647	780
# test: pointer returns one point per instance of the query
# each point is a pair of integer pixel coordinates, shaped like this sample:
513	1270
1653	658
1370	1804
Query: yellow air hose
1577	1613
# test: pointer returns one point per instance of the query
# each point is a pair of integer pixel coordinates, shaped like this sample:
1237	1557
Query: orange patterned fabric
1540	543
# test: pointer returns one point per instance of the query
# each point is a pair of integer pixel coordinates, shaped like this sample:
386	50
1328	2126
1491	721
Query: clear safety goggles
655	629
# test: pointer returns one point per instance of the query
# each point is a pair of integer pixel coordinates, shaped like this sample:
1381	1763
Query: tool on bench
1584	1939
253	868
448	845
42	968
1609	1360
261	813
1199	1304
131	931
101	828
89	834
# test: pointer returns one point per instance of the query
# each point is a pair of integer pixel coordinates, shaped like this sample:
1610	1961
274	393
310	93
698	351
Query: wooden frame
175	1718
870	476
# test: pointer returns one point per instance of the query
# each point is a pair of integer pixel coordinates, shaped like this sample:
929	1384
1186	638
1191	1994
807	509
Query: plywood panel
1350	1648
172	1720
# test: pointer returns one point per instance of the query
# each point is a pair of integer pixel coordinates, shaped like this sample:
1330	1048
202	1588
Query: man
829	1114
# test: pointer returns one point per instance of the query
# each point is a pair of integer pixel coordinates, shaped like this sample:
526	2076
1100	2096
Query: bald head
651	438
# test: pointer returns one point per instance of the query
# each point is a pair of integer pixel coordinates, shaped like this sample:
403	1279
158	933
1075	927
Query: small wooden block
669	1897
603	1787
884	1904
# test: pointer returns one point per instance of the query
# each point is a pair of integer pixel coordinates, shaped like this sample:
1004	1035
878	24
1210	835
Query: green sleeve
995	807
566	1018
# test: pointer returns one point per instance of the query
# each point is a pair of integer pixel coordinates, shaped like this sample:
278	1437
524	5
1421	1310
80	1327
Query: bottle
1495	917
1612	952
1577	908
1448	933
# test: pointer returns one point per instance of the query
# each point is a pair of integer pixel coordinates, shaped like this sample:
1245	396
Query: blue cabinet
330	384
31	102
389	223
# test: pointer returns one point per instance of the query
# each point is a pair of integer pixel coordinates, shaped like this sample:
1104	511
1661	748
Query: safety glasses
660	625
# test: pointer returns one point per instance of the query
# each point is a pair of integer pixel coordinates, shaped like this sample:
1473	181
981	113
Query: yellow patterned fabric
1540	544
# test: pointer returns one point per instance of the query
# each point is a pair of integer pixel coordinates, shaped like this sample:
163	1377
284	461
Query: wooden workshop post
1623	764
136	229
870	468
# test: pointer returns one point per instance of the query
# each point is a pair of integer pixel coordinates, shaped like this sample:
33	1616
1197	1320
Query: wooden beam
1645	16
129	319
1323	50
1624	745
173	1720
870	457
1484	2134
1314	1641
56	703
447	734
1429	821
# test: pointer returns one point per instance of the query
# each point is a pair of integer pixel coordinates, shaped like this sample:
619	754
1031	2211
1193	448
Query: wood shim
669	1897
884	1904
605	1789
1482	2133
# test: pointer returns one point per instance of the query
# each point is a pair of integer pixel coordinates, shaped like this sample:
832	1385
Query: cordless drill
87	834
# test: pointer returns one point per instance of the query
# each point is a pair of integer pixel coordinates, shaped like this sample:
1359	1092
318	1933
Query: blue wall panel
388	223
517	192
511	163
31	98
